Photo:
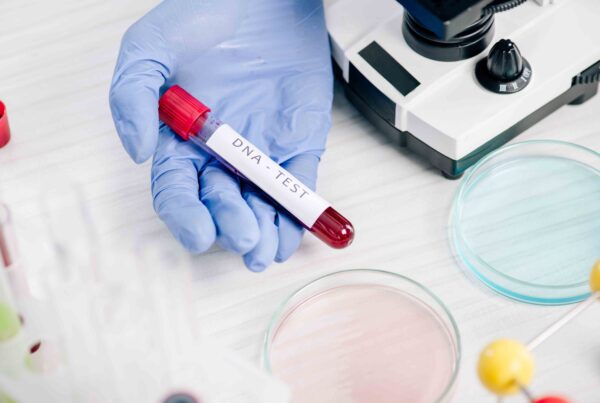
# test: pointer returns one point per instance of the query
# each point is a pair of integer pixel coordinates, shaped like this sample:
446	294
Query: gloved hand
263	66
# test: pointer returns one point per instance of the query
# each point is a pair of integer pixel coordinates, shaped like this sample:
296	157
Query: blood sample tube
193	121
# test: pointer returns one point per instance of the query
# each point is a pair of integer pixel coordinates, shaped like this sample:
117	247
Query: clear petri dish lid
362	336
526	221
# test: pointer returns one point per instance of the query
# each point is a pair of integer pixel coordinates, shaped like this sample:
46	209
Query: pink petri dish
364	336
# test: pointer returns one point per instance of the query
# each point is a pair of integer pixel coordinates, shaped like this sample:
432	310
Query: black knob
505	62
504	70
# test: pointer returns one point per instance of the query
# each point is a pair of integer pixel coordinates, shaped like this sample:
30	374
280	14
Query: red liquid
33	349
333	228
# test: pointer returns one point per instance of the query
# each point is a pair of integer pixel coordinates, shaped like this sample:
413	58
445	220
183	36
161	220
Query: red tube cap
179	110
4	127
551	399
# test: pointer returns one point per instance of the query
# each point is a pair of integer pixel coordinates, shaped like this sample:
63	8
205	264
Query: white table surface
56	62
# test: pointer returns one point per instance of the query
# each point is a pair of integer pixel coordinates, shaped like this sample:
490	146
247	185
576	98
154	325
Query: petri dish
526	221
361	336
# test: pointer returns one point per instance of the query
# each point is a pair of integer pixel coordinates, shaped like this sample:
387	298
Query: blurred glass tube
7	256
7	237
72	233
7	301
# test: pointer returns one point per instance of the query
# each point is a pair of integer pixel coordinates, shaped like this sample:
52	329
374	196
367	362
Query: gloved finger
133	103
142	68
237	228
264	252
175	193
172	33
290	231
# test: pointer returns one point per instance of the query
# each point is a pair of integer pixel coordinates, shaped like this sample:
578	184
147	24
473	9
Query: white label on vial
267	175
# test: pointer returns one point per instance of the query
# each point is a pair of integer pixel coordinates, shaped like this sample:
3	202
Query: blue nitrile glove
263	66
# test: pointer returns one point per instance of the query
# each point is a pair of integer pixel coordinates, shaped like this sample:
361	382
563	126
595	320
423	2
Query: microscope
453	80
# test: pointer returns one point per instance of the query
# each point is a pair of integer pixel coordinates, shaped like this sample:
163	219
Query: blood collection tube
193	121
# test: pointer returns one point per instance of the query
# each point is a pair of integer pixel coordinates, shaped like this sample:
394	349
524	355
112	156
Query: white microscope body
440	109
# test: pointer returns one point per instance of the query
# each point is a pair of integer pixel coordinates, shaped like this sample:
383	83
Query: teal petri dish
526	221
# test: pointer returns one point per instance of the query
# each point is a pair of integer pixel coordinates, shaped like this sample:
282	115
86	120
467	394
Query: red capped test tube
193	121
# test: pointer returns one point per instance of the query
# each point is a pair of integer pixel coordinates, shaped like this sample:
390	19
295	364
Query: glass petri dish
526	221
363	336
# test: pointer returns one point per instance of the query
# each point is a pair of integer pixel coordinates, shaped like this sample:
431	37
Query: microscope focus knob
505	63
504	70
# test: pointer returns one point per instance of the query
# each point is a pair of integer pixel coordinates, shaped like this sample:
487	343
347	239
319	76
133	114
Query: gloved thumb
172	33
142	69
